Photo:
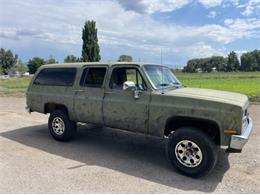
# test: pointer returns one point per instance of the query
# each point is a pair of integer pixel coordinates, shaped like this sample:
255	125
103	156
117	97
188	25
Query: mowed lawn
14	86
242	82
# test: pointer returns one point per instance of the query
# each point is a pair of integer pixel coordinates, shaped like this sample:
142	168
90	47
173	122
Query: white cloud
212	14
234	2
152	6
251	7
210	3
119	30
164	6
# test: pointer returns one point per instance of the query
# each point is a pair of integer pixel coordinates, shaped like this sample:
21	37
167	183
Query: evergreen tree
90	47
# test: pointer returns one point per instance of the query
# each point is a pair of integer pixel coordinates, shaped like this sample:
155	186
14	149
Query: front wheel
192	152
61	127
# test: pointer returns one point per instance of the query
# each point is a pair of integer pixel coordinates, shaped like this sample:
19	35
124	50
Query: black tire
70	127
208	151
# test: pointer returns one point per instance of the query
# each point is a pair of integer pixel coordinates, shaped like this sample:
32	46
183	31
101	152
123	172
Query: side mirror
129	86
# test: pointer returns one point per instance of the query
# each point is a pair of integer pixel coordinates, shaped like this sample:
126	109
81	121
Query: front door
89	95
121	110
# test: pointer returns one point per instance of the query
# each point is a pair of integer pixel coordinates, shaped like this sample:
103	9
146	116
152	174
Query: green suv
146	99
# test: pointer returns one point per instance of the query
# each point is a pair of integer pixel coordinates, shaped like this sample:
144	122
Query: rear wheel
192	152
61	127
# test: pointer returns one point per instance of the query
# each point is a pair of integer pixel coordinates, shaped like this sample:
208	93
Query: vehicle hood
211	95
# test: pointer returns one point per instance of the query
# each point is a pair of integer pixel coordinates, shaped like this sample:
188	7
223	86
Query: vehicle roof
81	64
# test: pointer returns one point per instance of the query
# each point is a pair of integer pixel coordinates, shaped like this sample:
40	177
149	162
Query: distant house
4	76
214	69
26	74
199	70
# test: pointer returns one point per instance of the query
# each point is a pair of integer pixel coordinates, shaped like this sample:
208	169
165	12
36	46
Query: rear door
89	94
121	109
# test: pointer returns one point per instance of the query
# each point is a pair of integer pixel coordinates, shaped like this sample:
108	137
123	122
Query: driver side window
121	75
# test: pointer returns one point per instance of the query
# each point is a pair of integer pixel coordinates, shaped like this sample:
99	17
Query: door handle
78	90
137	94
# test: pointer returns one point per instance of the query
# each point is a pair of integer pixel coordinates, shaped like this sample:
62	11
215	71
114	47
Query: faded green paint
149	113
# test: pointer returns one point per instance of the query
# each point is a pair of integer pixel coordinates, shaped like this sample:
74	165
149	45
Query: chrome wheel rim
188	153
58	126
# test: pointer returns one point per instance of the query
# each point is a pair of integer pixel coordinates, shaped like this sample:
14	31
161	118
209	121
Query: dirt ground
103	160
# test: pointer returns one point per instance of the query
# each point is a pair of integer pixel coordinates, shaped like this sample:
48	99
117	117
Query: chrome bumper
237	142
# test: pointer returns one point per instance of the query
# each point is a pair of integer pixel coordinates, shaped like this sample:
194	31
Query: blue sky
182	29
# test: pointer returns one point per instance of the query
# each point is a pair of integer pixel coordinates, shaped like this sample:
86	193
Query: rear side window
93	77
56	77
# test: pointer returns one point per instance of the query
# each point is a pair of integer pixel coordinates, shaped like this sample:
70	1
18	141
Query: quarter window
93	77
56	77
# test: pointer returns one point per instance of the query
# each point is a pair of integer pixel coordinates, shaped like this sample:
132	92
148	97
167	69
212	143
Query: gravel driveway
102	160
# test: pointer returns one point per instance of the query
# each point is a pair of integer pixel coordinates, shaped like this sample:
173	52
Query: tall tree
125	58
232	62
71	58
51	60
7	60
250	61
246	60
219	62
1	70
34	64
90	47
256	62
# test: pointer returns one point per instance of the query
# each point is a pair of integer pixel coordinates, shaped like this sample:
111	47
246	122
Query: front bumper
237	142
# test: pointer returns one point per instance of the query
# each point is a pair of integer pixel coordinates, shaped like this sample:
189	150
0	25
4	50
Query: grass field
14	86
242	82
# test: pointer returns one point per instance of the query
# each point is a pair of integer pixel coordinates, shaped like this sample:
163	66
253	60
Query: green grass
14	86
242	82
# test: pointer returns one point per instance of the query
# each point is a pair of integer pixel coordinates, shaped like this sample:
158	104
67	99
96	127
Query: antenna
162	72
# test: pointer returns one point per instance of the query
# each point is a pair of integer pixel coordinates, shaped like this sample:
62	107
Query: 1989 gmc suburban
143	98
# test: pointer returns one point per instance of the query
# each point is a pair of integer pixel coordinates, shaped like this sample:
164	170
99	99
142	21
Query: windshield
161	76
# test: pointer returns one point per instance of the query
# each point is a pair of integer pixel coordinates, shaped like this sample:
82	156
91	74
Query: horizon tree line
249	61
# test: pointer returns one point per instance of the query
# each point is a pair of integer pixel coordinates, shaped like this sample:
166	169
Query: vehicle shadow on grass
128	153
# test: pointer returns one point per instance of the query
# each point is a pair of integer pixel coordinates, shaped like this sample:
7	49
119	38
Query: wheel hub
58	126
188	153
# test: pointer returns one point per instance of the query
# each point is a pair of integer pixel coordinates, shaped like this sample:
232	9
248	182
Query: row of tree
249	61
122	58
10	64
36	62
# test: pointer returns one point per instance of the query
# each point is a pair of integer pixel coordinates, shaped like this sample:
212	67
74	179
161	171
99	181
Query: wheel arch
209	127
51	106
